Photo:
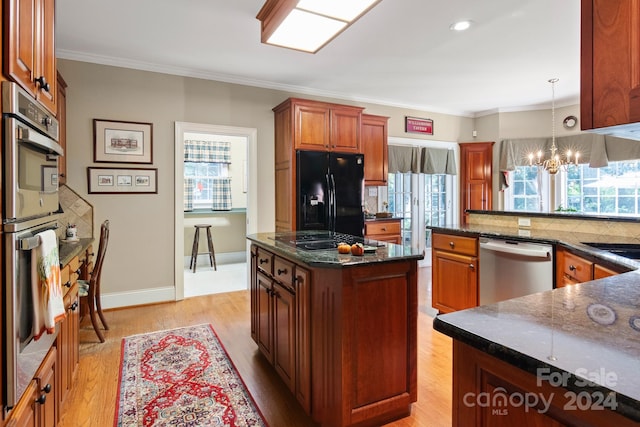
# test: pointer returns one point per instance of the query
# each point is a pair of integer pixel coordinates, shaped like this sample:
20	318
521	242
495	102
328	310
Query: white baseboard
164	294
221	258
142	297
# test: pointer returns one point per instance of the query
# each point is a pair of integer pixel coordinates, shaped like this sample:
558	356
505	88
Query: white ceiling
401	53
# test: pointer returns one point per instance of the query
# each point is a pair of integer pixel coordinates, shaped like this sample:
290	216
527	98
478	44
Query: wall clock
570	122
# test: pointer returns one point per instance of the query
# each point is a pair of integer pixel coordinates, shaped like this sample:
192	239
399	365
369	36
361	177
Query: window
421	200
611	190
399	195
206	175
526	189
204	179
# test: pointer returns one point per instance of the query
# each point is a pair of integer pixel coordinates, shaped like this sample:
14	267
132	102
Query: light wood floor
92	402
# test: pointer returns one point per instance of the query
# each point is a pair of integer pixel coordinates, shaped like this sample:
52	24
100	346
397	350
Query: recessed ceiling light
460	25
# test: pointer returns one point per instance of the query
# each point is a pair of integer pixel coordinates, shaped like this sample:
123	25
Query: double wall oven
29	206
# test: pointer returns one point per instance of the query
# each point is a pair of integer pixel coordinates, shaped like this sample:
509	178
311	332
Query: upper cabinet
322	126
610	67
374	147
30	59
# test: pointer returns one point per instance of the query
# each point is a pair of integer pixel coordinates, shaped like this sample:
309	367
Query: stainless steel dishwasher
510	269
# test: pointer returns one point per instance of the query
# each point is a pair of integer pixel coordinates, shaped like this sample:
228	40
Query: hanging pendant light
556	161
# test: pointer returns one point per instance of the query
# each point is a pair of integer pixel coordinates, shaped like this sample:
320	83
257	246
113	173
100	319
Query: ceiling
401	53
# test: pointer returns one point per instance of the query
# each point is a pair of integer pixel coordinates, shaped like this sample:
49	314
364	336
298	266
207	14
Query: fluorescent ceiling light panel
305	31
345	10
308	25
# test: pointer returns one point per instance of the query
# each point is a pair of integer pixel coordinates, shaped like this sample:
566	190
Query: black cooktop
321	240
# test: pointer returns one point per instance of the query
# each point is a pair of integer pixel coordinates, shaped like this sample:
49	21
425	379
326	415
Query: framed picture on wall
122	142
121	180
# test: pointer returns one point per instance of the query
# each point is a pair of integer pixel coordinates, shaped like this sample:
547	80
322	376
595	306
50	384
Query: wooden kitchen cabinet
62	128
321	126
384	230
276	314
281	315
488	392
610	66
454	272
476	159
302	124
374	147
571	268
30	48
600	272
38	406
68	345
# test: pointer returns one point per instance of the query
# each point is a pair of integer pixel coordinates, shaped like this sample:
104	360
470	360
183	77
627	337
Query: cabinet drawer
382	227
458	244
283	271
265	261
575	267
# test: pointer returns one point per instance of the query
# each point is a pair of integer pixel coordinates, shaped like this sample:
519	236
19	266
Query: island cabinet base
490	392
364	343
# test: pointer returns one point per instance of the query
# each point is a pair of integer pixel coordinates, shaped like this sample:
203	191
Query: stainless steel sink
626	250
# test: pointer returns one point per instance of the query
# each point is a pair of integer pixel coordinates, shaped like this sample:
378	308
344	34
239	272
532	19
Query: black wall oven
30	206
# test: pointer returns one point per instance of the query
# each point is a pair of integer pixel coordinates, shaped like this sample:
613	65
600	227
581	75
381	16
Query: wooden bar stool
194	249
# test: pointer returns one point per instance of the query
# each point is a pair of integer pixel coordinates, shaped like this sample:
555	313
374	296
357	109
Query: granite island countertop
330	258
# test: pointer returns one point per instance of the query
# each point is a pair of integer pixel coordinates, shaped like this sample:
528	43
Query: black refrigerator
330	192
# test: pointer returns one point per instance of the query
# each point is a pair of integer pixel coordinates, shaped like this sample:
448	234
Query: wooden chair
89	290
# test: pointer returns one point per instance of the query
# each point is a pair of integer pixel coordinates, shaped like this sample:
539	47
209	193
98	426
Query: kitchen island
570	356
339	329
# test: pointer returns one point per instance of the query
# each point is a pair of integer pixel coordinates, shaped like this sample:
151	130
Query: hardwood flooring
92	401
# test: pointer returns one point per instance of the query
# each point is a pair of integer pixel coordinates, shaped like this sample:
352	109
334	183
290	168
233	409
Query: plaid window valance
207	151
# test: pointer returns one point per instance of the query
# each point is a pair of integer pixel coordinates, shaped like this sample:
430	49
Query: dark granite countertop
68	250
330	258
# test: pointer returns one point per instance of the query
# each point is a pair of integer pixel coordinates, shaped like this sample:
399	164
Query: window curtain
221	189
425	160
189	186
209	152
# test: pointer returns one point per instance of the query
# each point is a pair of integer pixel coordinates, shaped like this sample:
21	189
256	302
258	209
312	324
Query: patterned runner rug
181	377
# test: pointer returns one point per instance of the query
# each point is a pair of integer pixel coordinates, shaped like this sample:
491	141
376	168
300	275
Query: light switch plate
373	191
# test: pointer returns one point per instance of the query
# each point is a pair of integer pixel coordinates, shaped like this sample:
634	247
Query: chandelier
556	161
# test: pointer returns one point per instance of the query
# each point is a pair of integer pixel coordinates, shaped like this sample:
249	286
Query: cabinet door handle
471	266
572	267
73	306
451	244
68	284
283	271
263	260
44	85
384	228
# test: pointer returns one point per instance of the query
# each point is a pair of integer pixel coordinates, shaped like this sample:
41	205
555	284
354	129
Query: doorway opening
230	224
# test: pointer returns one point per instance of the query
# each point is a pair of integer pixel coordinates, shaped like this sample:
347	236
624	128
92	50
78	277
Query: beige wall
140	267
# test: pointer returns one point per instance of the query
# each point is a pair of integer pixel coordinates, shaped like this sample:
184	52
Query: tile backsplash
76	210
608	226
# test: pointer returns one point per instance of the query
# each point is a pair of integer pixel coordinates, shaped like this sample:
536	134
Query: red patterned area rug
184	378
